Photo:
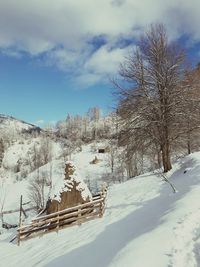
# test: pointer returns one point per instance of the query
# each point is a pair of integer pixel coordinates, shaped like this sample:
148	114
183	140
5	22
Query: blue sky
56	57
36	93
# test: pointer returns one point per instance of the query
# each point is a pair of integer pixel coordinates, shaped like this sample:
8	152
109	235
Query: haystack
95	160
70	192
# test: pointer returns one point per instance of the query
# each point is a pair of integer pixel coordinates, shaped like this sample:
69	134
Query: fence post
101	205
58	223
103	197
79	216
20	221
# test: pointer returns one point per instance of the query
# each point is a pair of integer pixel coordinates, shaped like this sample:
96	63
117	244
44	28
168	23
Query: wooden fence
64	218
17	210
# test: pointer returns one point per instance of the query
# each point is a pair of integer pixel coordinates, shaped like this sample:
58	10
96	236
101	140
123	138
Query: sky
57	57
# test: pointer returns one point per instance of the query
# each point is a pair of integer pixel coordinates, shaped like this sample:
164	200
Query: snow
15	153
11	126
145	224
15	186
83	159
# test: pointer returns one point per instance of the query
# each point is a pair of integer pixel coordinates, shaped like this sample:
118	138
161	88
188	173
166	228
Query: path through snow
120	243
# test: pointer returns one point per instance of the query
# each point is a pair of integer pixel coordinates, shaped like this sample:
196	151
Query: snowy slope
83	161
13	125
12	189
145	225
22	152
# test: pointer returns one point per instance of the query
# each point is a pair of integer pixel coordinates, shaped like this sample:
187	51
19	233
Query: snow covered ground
14	189
145	225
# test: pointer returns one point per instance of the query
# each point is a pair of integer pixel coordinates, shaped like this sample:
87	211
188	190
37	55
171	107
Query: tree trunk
159	161
166	157
188	147
129	169
188	143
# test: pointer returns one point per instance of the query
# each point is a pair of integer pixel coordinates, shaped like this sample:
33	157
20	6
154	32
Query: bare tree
3	193
112	156
150	106
115	162
39	188
191	123
94	116
45	150
1	151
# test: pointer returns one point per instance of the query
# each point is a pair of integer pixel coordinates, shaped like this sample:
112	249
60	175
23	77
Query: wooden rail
64	218
17	210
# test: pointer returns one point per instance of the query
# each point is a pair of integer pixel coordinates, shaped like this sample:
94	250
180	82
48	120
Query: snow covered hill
16	173
12	125
145	225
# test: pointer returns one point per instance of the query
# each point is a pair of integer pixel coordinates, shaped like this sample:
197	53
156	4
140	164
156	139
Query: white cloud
11	53
86	79
63	30
106	60
101	65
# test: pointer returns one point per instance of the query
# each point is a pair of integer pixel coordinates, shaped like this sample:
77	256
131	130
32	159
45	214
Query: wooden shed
104	149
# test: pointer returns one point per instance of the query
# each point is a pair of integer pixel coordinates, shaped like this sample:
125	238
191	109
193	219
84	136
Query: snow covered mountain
13	125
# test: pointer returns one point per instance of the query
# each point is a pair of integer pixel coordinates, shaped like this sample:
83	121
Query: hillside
17	173
29	154
12	125
145	224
